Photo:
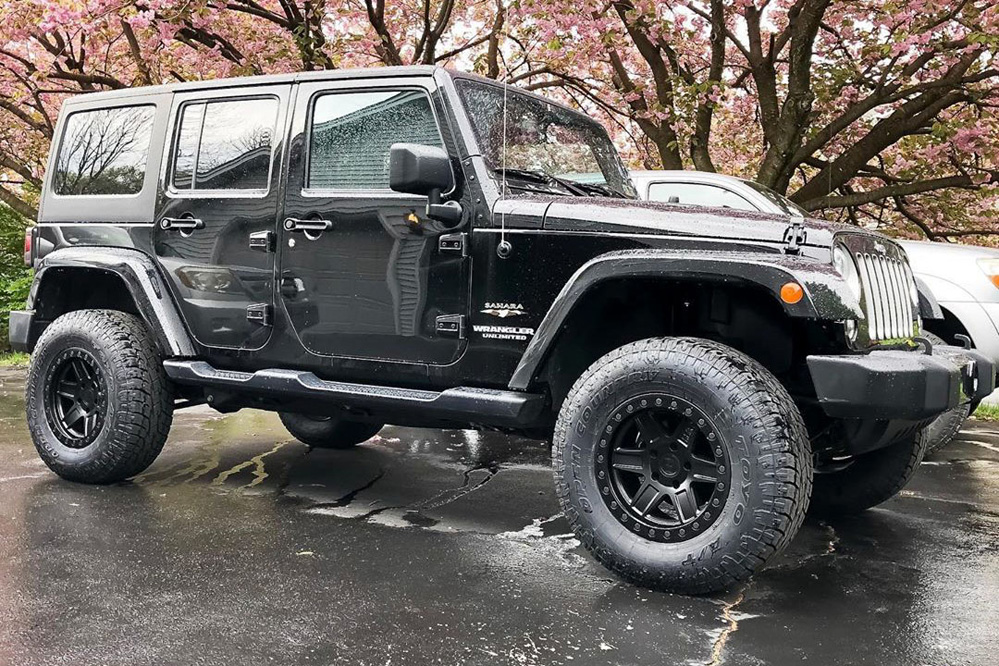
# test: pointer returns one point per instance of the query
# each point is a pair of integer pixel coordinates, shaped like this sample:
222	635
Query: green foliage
15	277
987	412
13	360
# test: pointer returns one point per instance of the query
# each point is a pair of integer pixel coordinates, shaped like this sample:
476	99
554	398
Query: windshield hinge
794	237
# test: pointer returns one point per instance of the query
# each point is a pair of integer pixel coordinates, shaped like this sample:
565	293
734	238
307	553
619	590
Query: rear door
221	192
363	272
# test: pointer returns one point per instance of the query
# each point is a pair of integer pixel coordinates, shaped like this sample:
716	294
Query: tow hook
925	344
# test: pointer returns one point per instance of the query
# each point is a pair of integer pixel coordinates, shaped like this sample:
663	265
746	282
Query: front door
221	191
362	273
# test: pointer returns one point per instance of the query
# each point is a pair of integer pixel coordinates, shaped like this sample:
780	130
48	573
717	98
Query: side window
696	194
104	152
224	145
351	133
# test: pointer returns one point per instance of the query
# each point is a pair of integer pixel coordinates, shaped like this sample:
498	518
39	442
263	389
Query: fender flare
139	274
929	307
826	296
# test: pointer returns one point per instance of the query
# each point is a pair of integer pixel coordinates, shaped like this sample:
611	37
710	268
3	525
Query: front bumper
900	385
19	328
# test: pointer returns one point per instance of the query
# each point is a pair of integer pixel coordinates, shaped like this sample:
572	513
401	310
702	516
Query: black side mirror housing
426	171
417	169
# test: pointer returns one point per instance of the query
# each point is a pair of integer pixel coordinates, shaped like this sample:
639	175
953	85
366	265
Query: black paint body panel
361	301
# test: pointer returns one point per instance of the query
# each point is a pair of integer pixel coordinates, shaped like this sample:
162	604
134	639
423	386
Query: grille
887	283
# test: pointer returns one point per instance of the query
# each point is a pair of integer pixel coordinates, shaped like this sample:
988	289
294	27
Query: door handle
313	226
181	223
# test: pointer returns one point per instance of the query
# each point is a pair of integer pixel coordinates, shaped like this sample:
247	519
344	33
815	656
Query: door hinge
457	243
262	241
794	236
260	313
451	326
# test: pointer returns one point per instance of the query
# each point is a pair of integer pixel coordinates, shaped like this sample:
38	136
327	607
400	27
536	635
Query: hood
605	215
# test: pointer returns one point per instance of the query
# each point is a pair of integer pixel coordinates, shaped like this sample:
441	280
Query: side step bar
466	405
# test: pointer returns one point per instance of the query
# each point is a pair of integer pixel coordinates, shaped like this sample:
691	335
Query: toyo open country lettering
354	248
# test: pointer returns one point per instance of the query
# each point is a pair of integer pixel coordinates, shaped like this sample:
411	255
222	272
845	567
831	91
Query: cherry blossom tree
879	112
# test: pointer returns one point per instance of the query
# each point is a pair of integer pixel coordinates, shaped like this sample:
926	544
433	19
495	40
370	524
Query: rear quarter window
104	152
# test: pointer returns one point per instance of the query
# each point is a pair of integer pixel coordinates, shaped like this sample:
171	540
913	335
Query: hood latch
794	236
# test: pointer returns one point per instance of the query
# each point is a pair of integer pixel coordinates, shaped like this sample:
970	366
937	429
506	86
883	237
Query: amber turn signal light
791	292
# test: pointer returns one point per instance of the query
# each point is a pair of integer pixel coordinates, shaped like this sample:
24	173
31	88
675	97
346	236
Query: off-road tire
869	480
329	432
758	424
137	396
946	426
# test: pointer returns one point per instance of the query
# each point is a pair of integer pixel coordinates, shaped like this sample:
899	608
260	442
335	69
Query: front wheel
681	464
98	401
328	432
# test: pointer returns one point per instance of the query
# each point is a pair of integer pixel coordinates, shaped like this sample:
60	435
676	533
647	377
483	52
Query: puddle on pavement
447	481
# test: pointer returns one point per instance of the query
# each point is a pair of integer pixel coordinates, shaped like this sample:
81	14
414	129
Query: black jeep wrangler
415	246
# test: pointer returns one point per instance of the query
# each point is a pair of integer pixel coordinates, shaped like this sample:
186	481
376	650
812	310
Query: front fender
826	296
138	272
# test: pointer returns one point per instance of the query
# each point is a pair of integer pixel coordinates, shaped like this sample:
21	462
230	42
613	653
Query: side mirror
425	170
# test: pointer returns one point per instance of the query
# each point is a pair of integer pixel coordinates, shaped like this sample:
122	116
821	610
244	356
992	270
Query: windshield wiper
544	178
605	190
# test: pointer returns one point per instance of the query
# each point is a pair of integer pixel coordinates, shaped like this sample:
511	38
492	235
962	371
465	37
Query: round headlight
847	268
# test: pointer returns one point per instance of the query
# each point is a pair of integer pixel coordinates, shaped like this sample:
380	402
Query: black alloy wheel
77	396
98	402
662	468
681	464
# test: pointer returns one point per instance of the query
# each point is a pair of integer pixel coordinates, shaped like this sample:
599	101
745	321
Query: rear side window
695	194
104	152
351	135
224	145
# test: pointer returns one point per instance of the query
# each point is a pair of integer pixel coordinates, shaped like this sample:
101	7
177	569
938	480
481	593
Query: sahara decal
504	332
504	310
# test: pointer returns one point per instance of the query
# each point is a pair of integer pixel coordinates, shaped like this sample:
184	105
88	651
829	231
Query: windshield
782	202
543	138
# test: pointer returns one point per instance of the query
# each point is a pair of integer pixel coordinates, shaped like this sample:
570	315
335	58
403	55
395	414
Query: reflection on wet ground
240	545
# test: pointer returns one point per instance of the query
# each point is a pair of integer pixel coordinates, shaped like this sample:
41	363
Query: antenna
504	248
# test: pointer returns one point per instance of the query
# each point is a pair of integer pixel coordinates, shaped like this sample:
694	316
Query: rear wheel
681	464
869	479
328	432
98	402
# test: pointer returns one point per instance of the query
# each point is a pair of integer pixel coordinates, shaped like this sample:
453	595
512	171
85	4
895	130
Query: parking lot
240	545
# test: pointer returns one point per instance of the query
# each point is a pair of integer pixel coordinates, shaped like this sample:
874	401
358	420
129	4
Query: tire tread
142	407
787	458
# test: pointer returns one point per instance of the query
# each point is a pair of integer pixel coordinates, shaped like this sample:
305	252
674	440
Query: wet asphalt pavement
241	546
